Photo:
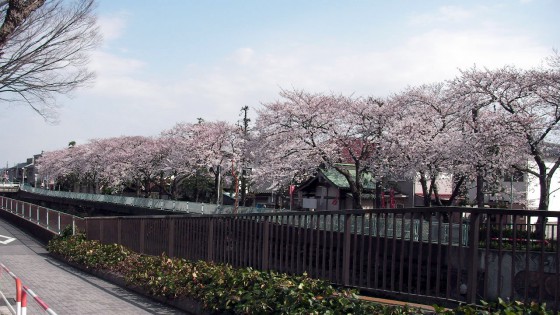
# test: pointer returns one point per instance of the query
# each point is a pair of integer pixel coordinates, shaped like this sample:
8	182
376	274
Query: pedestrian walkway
65	289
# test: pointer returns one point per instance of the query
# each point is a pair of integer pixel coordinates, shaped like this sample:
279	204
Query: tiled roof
340	181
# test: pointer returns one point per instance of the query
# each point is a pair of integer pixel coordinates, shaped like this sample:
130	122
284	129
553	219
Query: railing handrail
18	207
10	184
338	242
150	203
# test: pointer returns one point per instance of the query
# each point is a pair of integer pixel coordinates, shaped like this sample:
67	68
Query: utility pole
245	128
218	184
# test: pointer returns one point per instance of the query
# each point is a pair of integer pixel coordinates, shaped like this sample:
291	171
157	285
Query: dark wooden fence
442	255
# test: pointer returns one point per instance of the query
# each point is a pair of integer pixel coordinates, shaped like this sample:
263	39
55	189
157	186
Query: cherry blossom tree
111	163
134	161
476	127
427	137
530	101
302	131
203	146
55	164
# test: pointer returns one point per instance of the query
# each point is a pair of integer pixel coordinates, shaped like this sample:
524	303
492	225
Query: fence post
142	236
266	243
59	230
101	230
346	250
171	243
472	264
210	239
119	231
47	217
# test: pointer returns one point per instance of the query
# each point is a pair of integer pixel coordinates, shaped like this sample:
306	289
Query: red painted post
18	296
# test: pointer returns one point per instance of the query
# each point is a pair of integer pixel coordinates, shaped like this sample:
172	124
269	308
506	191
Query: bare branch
17	12
46	55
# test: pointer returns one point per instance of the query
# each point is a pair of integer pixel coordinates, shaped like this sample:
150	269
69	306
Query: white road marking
6	240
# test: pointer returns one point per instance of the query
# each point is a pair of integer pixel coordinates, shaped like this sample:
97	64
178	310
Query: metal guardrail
9	187
150	203
408	253
49	219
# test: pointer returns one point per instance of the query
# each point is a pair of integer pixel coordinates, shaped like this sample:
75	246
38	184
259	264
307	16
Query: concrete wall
525	270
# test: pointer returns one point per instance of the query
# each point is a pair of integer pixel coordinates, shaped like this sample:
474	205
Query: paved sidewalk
65	289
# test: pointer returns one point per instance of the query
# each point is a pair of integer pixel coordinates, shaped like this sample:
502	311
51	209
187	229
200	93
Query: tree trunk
217	185
354	184
16	14
427	194
356	192
479	174
479	190
544	182
378	192
196	189
456	190
138	188
433	187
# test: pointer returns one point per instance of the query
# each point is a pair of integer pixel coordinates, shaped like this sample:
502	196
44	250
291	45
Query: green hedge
227	290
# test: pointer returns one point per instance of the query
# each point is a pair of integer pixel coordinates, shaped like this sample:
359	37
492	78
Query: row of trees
476	126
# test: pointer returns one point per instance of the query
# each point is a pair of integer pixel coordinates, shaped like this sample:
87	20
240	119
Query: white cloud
112	27
251	75
432	56
243	55
108	65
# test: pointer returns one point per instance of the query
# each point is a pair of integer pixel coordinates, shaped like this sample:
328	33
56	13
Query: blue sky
176	60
